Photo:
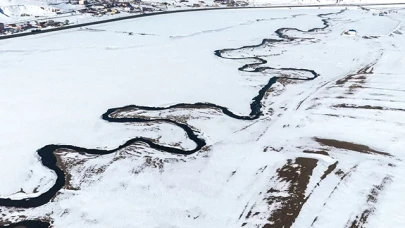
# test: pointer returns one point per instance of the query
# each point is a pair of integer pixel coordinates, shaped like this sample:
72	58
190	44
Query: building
350	32
82	2
2	27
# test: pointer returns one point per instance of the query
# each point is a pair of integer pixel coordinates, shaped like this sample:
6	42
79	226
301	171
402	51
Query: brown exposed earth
328	171
349	146
358	78
367	107
65	166
297	174
365	70
321	152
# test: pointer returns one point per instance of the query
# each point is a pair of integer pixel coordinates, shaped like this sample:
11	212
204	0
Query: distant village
93	8
31	26
100	8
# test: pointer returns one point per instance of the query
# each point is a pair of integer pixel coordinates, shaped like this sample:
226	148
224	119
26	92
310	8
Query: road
189	10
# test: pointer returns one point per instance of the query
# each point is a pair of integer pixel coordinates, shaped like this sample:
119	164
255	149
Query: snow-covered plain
337	138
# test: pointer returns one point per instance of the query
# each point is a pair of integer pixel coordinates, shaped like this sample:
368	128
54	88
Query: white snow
55	87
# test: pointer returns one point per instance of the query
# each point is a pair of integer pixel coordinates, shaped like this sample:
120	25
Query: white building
350	32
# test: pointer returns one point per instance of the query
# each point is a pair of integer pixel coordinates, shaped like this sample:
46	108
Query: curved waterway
28	224
49	160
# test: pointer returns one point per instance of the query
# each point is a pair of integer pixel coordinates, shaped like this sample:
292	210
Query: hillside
15	11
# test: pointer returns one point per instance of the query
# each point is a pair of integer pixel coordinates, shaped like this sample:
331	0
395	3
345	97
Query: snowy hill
15	10
18	10
12	11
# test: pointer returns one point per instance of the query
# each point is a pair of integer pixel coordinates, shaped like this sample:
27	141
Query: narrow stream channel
49	160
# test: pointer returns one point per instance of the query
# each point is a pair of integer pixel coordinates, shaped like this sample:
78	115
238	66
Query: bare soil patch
328	171
368	69
321	152
367	107
297	173
350	146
